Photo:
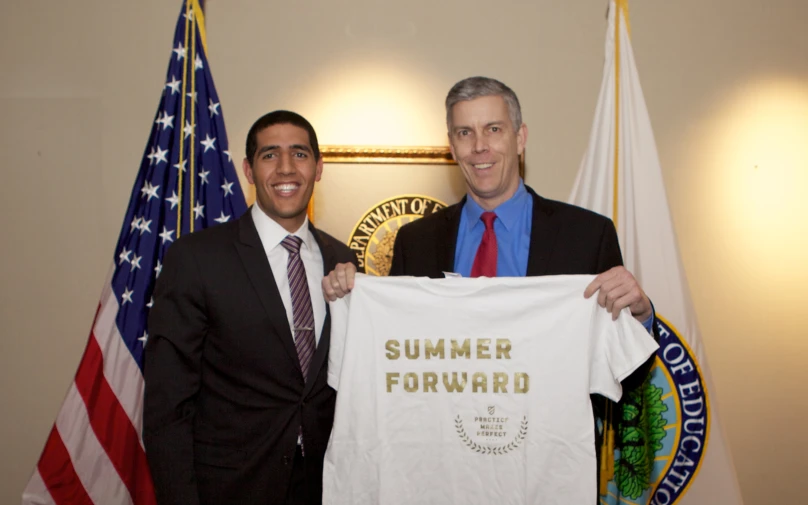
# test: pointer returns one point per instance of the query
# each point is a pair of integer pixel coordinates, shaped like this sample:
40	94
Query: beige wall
726	84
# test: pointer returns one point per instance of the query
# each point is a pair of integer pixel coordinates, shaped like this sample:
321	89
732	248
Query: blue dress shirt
512	227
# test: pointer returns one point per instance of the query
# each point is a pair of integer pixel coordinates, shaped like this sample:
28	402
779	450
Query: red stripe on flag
112	426
58	474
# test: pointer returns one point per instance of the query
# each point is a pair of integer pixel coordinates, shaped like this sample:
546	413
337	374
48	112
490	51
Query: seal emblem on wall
666	425
375	233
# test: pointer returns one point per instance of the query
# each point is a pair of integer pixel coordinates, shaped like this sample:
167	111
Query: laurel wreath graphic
485	449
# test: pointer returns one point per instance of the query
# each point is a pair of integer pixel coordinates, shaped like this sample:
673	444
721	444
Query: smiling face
283	170
487	147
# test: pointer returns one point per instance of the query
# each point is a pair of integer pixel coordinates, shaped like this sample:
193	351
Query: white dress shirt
271	235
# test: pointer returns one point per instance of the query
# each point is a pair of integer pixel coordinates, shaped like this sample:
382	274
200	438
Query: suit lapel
543	233
318	360
255	261
446	237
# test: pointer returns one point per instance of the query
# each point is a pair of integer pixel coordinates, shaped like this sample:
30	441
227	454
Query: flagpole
607	444
191	60
180	183
616	181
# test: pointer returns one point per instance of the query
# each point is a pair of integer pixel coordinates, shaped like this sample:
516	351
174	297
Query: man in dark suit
531	235
237	409
502	227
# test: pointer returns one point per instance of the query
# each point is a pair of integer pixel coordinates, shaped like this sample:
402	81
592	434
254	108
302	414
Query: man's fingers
602	297
345	277
620	304
592	288
614	292
595	285
610	290
624	295
339	282
618	289
328	287
599	281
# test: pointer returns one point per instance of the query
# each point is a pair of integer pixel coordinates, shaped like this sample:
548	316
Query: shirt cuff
648	324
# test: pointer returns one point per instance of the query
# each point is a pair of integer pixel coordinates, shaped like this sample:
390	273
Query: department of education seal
666	425
373	236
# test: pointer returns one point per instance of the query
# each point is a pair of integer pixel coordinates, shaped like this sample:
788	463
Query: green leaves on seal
641	433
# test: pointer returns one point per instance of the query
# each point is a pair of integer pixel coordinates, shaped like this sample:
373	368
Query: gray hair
476	87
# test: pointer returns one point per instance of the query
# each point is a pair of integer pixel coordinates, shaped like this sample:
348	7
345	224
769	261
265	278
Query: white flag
621	177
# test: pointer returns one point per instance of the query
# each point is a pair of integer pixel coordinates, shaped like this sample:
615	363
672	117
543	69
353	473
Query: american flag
94	453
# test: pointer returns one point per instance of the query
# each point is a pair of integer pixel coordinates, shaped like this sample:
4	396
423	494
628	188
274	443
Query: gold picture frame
396	154
435	155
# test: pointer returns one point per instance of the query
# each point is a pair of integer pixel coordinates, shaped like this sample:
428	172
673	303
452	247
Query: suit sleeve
346	255
609	255
397	265
172	368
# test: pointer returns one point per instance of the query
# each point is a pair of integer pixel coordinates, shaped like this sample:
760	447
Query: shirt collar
508	211
271	233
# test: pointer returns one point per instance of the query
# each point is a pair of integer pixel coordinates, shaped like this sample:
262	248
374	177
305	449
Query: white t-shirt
471	391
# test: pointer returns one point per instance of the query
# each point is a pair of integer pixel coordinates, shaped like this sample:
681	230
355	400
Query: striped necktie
302	313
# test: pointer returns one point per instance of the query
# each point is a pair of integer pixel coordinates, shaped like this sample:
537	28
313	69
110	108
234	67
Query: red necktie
485	262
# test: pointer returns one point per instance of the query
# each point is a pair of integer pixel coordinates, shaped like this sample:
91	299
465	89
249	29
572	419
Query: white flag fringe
621	177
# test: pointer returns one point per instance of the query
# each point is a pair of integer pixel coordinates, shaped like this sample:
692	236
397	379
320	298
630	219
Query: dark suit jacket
225	393
564	239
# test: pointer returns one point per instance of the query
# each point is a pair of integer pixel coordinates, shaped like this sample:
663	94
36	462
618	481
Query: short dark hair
477	87
279	117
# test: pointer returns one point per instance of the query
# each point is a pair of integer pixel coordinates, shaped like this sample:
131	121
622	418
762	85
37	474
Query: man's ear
319	171
451	146
248	172
521	139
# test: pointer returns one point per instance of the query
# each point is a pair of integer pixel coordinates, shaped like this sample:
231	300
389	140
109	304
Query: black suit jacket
225	394
564	239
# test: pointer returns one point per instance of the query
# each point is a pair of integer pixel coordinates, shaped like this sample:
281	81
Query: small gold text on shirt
454	382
